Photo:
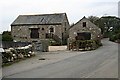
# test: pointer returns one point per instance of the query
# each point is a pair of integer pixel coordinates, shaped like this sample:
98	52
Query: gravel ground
100	63
31	63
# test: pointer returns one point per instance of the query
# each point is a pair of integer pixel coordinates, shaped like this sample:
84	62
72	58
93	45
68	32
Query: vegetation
110	26
54	43
6	36
115	38
85	45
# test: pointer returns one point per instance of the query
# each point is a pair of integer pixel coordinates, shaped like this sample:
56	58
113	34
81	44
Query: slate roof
39	19
81	20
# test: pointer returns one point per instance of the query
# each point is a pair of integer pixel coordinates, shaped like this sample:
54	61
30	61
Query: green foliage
112	38
115	37
54	43
64	42
98	42
6	36
110	25
87	44
94	19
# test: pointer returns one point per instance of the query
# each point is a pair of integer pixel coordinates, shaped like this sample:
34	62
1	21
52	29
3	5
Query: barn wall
22	33
90	27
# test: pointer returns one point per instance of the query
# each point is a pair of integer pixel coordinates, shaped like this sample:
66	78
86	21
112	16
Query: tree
97	21
6	36
110	25
94	19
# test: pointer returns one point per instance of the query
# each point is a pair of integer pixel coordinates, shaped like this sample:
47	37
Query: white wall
57	48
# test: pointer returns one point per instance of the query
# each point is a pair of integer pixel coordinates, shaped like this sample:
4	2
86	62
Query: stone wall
22	33
90	27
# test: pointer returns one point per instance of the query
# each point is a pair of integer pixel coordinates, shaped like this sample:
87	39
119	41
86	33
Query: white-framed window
51	29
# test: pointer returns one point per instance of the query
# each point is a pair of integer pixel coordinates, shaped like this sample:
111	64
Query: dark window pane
49	35
83	36
51	30
34	33
84	24
65	29
42	28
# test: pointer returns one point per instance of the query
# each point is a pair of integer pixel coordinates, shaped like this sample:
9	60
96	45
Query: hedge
115	37
86	44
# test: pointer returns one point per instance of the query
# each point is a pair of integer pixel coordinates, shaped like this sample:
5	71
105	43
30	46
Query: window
47	35
51	30
34	33
42	28
65	29
84	24
83	36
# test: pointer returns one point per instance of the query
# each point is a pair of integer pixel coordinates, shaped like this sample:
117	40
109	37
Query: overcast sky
75	9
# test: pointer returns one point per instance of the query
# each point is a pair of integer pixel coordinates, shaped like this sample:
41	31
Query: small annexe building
83	30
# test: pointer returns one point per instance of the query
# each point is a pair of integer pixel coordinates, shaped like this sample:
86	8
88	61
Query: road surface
100	63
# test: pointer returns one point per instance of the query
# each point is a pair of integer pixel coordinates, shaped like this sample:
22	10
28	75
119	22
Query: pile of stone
13	54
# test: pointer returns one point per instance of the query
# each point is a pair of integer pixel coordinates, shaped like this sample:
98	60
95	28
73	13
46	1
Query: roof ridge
42	14
40	18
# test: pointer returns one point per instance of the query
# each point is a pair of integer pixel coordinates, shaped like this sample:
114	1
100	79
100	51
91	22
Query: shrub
87	44
6	36
54	43
115	37
98	42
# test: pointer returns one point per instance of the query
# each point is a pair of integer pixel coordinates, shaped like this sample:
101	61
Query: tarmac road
100	63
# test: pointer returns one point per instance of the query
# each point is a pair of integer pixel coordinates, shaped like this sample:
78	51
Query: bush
98	42
87	44
118	36
6	36
115	37
54	43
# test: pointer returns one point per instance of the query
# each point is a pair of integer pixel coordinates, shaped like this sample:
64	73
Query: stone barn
84	35
84	30
33	28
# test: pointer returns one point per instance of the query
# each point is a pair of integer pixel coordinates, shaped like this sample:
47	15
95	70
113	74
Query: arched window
51	29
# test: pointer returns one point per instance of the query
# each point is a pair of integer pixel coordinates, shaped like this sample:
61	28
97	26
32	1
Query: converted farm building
84	35
33	28
84	30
